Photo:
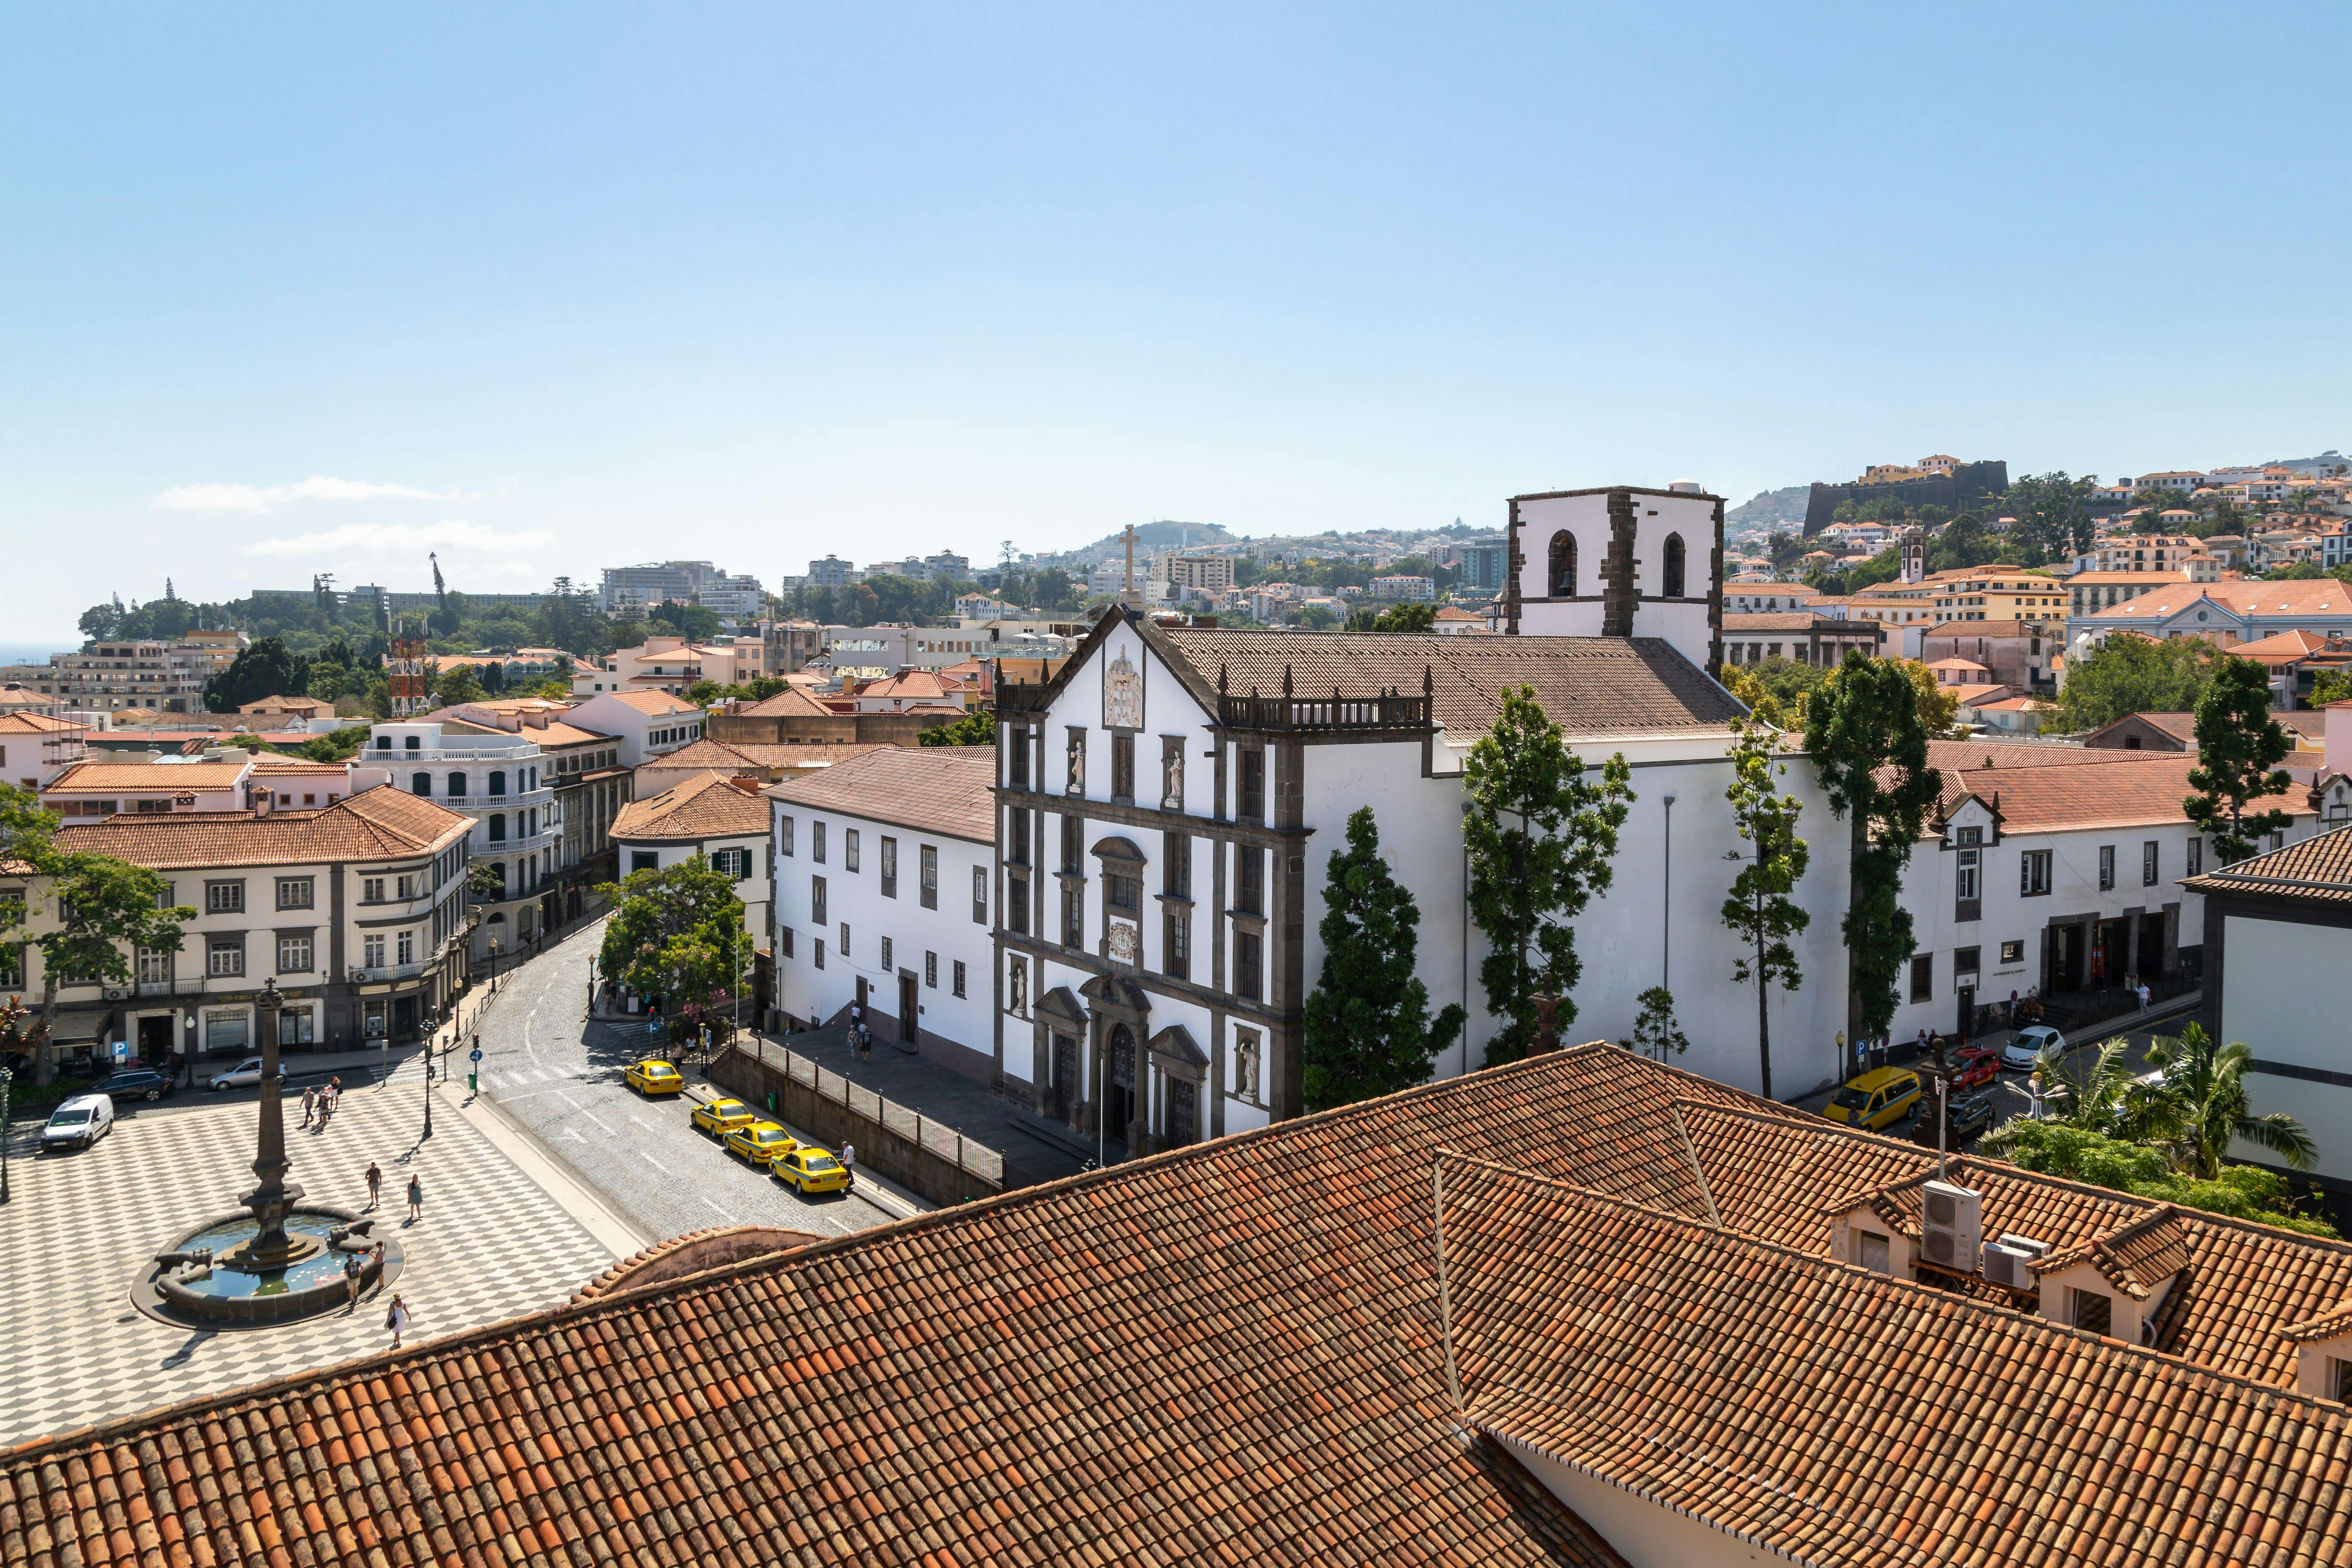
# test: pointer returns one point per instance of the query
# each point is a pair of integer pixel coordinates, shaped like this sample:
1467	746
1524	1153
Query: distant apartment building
832	572
2089	592
389	602
1405	589
2151	553
498	778
168	677
1194	573
2181	479
637	589
1484	564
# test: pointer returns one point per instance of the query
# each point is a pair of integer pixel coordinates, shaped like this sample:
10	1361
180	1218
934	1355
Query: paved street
557	1075
492	1243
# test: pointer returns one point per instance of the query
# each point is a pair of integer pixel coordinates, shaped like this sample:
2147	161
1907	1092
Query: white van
79	1122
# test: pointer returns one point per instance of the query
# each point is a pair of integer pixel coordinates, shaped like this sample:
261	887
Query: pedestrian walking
2143	996
309	1103
375	1185
415	1197
396	1319
375	1262
850	1159
351	1280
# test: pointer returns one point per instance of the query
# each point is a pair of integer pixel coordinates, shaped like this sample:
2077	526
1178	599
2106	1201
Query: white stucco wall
753	889
1645	1534
856	899
2276	978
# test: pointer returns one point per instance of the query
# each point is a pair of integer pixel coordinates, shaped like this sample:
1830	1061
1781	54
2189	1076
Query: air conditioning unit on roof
1951	1227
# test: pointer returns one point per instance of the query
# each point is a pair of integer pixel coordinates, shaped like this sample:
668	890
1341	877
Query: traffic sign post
474	1077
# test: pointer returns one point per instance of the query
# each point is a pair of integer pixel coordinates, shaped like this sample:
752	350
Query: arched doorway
1118	1081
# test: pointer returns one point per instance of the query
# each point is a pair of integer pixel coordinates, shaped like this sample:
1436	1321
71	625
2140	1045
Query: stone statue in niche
1171	778
1122	697
1017	990
1245	1048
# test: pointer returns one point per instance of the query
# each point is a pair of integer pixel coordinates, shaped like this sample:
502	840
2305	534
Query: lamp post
5	1078
273	1195
430	1025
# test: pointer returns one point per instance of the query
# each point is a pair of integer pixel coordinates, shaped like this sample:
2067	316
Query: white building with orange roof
150	787
36	747
2225	614
709	817
356	910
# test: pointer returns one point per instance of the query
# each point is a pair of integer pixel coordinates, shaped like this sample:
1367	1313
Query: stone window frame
228	944
285	946
225	896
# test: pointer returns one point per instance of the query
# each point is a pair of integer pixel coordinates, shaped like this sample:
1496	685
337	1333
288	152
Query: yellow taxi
1879	1098
811	1168
721	1117
760	1143
654	1078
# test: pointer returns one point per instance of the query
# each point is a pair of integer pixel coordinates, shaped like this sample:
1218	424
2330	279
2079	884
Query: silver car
244	1075
2033	1042
79	1122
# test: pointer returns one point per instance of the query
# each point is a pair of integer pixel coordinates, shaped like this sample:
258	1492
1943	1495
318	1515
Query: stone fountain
276	1260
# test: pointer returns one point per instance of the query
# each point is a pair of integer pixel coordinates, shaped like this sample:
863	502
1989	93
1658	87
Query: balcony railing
1385	710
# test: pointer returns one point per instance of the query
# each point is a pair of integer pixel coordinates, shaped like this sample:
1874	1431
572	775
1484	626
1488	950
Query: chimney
262	801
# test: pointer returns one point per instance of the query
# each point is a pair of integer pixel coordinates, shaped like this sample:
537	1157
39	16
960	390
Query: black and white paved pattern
555	1072
492	1243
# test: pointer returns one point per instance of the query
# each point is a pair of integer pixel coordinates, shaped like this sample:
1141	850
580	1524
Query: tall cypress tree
2239	747
1869	745
1540	834
1367	1027
1760	907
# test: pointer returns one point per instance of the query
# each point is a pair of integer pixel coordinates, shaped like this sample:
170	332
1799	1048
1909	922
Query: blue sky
551	289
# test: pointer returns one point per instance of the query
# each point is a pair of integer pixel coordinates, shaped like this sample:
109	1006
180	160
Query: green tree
1656	1033
1540	835
106	908
703	693
2200	1107
456	684
2130	675
265	669
2239	747
1317	617
977	729
485	881
693	622
2083	1155
2053	516
1869	743
1369	1032
1759	906
1777	689
1411	617
101	622
677	932
2330	685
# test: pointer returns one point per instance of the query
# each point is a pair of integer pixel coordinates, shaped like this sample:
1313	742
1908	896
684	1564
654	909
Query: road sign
475	1055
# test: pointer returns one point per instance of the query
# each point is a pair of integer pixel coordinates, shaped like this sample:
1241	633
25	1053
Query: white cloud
397	538
261	499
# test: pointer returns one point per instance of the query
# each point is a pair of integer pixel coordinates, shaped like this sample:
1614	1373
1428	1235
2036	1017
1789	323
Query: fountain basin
233	1294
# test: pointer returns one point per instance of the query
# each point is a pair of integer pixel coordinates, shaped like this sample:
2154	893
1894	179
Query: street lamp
431	1023
494	967
5	1078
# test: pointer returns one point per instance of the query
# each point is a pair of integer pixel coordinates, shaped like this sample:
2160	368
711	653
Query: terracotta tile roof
705	753
2124	579
2135	1259
950	708
298	767
556	732
132	778
1235	1353
35	724
1794	621
1828	1413
1591	685
1947	756
2136	789
2327	1325
948	790
379	824
790	703
2317	869
2323	595
657	703
2282	646
806	755
906	685
704	806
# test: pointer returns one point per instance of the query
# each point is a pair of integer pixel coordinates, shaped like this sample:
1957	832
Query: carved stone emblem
1122	699
1126	943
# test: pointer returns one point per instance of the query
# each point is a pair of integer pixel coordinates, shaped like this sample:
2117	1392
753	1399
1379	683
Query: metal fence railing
938	1138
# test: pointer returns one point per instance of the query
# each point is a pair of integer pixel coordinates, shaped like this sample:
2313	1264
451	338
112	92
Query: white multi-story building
647	724
635	589
168	677
495	777
1408	590
2060	871
883	870
705	818
832	572
356	910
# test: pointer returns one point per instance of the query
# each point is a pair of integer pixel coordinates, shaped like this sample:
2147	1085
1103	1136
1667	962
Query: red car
1975	1066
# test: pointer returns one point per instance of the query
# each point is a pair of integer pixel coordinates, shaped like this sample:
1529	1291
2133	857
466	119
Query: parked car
760	1143
721	1117
2024	1052
79	1122
811	1168
654	1078
1970	1115
244	1075
137	1083
1975	1067
1879	1098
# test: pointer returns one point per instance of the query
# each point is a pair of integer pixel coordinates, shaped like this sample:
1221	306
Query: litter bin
772	1101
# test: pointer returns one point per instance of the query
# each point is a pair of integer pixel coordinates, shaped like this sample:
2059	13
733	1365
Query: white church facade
1167	805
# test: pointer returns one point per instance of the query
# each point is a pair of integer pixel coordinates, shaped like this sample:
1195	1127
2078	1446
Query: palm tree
2198	1106
2105	1098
